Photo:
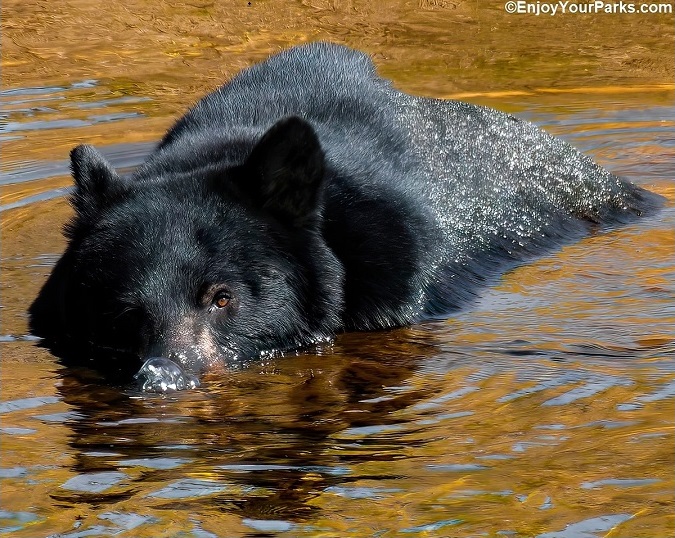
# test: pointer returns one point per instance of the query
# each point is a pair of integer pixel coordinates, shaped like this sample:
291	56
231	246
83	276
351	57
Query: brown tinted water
546	409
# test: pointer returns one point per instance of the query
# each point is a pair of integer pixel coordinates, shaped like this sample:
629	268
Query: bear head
215	262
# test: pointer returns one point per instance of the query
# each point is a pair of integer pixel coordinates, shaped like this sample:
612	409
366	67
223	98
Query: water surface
544	409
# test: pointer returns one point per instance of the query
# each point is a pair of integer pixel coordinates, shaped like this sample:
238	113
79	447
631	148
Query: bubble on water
159	374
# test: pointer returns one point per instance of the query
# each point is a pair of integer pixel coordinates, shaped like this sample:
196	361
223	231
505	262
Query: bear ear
284	172
96	182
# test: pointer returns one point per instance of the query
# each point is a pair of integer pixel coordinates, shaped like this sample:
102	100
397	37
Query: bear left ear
96	182
284	172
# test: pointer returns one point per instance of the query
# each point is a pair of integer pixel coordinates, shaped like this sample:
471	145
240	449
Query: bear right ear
96	182
284	173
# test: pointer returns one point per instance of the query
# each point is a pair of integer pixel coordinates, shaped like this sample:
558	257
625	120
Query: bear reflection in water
304	198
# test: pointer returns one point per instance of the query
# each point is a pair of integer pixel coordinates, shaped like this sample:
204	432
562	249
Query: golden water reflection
546	408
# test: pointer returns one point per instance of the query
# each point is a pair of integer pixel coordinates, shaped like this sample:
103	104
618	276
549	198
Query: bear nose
175	337
183	354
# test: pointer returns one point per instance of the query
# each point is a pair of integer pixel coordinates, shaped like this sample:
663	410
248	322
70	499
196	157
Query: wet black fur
320	200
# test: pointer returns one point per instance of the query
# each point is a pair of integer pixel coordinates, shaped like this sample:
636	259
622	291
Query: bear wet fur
306	197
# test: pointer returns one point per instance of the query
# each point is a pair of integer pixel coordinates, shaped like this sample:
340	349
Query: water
545	409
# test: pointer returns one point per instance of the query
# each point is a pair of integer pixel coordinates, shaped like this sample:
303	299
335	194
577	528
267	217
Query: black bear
306	197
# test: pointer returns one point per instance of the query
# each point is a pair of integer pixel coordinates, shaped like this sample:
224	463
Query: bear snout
185	341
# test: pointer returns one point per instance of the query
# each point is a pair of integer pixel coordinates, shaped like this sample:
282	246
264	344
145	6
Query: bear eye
221	299
215	297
